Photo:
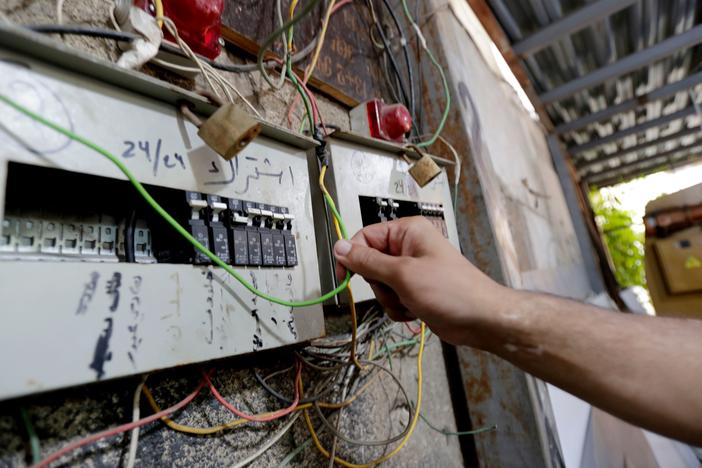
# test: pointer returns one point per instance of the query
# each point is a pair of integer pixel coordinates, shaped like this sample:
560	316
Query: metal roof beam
648	168
695	147
631	104
574	22
597	142
627	64
585	164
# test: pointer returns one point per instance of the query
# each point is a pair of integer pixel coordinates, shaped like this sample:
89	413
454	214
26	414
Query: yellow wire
293	5
320	42
352	302
158	4
239	422
396	450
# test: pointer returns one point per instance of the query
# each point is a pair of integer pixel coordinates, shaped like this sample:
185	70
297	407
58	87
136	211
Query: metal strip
649	169
560	163
593	178
597	142
570	24
629	63
631	104
585	164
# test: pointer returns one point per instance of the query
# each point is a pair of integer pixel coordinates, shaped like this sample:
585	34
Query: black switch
278	249
240	246
220	243
235	206
290	249
267	247
199	231
254	240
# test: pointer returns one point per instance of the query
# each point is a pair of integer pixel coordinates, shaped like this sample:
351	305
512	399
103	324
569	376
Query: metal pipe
585	164
629	63
631	104
597	142
570	24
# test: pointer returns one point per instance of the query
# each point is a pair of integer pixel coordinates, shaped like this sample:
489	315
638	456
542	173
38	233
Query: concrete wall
60	417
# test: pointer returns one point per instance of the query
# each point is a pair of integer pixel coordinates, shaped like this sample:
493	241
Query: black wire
129	37
129	250
393	63
403	42
82	31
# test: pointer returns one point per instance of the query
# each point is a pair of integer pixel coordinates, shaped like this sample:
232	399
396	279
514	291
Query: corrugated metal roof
616	78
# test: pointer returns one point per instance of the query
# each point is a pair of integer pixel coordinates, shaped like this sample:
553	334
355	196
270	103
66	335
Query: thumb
366	261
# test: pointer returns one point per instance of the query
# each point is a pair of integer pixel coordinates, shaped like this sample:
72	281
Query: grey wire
390	440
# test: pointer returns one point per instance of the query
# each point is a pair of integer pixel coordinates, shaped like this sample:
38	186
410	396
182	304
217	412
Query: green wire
291	456
460	433
270	39
166	216
447	93
33	438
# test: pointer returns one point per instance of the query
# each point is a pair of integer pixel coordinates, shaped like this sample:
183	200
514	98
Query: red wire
254	417
119	429
303	82
414	331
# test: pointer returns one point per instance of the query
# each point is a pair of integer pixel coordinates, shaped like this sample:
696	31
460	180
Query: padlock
229	130
425	169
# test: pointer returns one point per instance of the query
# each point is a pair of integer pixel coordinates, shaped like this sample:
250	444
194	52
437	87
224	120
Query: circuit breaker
95	284
370	180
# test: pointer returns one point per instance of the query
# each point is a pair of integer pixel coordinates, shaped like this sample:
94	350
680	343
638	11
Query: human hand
416	273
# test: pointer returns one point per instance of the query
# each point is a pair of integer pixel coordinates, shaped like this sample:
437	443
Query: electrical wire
172	221
396	450
279	435
158	6
388	49
270	39
457	433
253	417
119	429
291	456
34	444
134	436
375	443
59	11
456	169
447	92
166	47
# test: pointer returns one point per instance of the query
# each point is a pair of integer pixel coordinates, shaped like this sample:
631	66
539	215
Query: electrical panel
94	283
371	183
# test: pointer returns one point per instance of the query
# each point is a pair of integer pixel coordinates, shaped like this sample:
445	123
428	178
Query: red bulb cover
198	22
388	121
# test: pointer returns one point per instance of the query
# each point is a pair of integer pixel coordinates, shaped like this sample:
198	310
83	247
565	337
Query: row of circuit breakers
239	232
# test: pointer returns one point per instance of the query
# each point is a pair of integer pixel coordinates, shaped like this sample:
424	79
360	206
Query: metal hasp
67	283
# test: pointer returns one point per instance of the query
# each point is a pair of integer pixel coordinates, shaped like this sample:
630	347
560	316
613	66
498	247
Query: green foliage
624	243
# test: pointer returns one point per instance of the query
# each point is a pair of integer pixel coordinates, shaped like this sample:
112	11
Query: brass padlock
425	169
229	130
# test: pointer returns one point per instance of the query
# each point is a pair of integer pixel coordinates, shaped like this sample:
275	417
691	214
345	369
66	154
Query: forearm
645	370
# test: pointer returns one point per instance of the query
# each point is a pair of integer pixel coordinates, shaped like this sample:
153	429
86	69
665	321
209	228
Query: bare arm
646	370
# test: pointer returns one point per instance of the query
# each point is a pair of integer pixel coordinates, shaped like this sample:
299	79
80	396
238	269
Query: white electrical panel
371	183
93	285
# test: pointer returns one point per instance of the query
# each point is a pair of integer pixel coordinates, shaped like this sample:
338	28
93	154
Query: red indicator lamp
376	119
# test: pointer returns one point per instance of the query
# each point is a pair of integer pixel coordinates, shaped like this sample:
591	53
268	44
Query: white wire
134	437
270	442
59	12
208	72
457	170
